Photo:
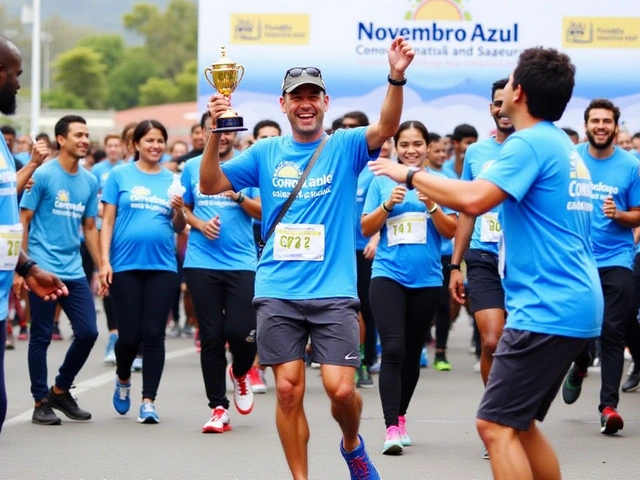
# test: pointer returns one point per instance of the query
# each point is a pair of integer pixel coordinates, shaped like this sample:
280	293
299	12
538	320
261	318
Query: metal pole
35	68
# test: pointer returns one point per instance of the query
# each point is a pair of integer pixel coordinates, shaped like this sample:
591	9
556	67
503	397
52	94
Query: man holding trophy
306	282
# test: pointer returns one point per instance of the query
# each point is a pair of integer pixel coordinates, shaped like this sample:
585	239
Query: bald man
12	257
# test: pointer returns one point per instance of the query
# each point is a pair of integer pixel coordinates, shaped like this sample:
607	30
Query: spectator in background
266	129
463	136
636	141
573	135
197	140
128	149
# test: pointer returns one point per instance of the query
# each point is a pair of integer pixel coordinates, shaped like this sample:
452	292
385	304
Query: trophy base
229	124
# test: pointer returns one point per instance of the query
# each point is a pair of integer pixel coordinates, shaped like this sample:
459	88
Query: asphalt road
440	422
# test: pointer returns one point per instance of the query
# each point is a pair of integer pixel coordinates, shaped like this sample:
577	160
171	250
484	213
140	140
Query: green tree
170	37
80	71
125	80
187	82
111	47
157	91
62	99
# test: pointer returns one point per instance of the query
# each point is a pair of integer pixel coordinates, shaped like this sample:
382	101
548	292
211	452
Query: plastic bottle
176	189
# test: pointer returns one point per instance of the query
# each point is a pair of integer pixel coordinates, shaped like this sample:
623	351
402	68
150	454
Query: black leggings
3	391
403	316
443	313
142	300
222	302
371	334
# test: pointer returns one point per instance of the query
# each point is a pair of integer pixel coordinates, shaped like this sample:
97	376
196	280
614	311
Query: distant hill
100	14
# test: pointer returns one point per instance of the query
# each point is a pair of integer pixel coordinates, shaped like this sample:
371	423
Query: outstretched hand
400	55
389	168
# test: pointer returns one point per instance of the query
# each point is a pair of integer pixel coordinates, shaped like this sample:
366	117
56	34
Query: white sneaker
242	393
476	367
219	421
256	377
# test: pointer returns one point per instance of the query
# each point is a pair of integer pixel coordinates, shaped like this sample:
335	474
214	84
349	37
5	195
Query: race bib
408	228
490	228
501	256
299	242
10	243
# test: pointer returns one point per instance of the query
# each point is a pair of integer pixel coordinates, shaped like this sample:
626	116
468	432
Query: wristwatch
240	198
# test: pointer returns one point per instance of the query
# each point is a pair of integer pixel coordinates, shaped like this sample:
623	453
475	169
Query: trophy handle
240	70
209	70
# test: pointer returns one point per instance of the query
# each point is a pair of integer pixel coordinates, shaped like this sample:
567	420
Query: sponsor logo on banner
442	28
269	28
601	32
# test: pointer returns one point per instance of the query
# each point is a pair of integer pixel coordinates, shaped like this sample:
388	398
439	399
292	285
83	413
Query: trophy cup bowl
224	75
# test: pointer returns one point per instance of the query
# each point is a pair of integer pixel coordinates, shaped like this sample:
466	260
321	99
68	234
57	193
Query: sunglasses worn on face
297	71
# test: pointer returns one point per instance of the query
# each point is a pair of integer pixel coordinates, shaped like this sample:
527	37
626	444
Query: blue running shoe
121	397
360	465
424	358
148	413
136	366
110	352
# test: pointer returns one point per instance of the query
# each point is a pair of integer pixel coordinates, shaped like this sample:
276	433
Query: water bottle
176	189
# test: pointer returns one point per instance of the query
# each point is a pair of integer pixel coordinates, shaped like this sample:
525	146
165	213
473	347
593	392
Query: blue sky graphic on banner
462	47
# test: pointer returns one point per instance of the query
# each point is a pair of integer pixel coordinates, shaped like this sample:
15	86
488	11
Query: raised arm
212	180
400	56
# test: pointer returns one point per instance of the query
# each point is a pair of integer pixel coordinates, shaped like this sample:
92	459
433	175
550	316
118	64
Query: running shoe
610	421
572	385
485	453
110	351
404	436
148	413
174	331
43	414
392	441
258	385
188	330
136	366
55	335
424	358
122	397
219	421
10	343
364	379
441	364
67	404
632	383
24	334
360	465
242	394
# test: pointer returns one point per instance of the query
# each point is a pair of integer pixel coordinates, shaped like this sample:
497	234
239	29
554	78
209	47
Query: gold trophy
224	75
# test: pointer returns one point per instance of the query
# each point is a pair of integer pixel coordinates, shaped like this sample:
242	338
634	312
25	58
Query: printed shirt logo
580	186
286	175
3	161
65	208
487	165
142	198
447	10
219	200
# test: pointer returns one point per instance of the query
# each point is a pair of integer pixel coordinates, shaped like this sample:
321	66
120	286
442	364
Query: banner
462	47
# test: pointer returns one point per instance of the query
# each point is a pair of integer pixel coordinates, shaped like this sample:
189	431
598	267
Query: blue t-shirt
449	168
413	265
617	176
102	169
479	157
447	243
9	217
327	200
550	279
143	235
364	181
59	201
234	249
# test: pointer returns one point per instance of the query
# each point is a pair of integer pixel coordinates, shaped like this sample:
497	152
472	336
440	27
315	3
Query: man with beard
63	199
482	234
616	211
40	282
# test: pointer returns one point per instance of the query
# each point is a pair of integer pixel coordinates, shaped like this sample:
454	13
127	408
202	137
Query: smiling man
63	198
306	278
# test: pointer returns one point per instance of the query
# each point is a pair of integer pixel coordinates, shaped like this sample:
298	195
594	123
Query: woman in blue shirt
406	277
138	247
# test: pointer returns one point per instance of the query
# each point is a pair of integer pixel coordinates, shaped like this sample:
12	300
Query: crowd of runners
351	249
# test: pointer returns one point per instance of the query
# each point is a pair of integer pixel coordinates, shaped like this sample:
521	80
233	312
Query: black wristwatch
453	266
240	198
397	83
23	270
409	181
